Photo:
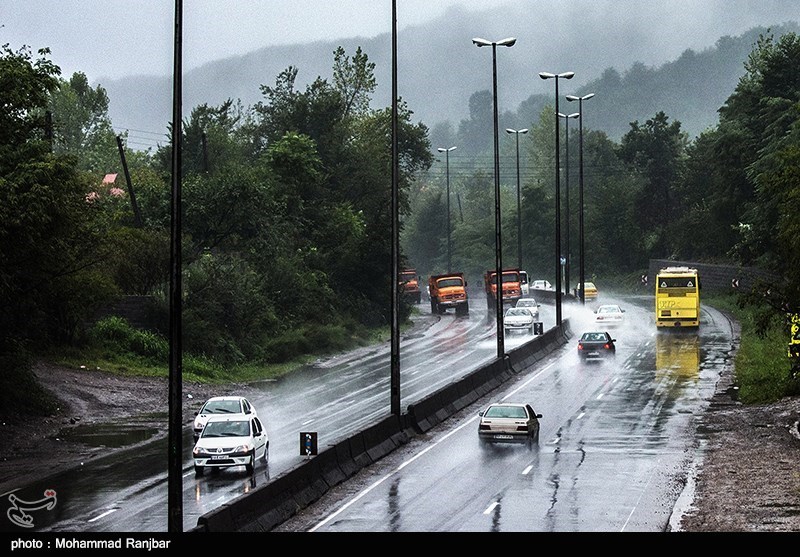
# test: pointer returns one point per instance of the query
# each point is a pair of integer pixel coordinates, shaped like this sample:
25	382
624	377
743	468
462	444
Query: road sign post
308	443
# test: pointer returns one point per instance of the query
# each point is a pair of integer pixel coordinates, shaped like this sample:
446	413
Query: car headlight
246	448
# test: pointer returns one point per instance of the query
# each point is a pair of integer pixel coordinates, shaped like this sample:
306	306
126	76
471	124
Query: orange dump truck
449	291
409	285
512	286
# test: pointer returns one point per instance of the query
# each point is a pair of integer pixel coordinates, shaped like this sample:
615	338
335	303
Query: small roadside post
308	443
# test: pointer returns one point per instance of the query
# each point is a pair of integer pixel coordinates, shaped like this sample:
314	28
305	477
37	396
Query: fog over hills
638	61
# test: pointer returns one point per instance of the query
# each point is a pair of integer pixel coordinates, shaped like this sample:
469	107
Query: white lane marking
307	421
600	396
490	508
527	470
416	456
581	415
102	515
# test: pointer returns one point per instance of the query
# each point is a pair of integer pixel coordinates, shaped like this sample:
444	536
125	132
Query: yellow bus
677	298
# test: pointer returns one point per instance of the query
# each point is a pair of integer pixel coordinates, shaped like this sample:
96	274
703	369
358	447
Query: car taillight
522	428
484	427
607	346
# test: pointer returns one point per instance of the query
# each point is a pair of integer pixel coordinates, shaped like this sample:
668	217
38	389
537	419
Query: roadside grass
763	368
115	346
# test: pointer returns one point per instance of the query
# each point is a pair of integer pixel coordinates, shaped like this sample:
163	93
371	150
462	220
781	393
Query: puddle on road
107	435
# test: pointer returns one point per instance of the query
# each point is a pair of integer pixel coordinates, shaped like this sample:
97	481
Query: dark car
508	422
596	344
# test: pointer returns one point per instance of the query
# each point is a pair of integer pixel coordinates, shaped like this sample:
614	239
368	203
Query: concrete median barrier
281	498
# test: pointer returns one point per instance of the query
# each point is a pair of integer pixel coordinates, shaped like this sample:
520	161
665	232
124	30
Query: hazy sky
113	38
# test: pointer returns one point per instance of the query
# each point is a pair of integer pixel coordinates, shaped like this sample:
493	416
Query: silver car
508	422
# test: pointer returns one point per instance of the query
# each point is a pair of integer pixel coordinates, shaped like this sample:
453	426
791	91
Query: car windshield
518	311
594	336
608	309
227	429
444	283
506	412
221	407
526	303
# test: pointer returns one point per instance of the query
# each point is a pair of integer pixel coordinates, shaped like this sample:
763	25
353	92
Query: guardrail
292	491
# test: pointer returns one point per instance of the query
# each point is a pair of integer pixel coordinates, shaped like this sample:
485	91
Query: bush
115	333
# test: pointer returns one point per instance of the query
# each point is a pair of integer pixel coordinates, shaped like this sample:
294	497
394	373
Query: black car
596	344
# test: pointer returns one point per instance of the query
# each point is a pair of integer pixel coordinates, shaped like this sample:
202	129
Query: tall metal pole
175	456
501	351
395	356
519	201
449	248
447	163
582	277
566	118
566	75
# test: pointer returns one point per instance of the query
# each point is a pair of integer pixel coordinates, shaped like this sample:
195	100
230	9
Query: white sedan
518	320
531	304
609	315
228	441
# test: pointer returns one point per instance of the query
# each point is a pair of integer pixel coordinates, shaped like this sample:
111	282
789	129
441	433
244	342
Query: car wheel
198	471
250	466
506	331
266	454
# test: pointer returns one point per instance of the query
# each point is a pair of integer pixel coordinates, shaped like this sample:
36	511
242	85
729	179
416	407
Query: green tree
82	127
657	150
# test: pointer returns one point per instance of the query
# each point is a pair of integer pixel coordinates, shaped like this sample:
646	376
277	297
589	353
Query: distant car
541	285
227	441
224	405
609	315
508	422
518	320
531	304
596	344
589	291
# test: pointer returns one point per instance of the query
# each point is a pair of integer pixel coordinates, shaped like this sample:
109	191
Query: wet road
127	491
617	440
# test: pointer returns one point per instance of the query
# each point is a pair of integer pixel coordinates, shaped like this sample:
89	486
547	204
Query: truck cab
511	287
448	291
410	285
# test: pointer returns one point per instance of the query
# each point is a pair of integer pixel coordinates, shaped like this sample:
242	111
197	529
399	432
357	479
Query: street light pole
447	166
565	75
498	246
580	100
519	201
566	197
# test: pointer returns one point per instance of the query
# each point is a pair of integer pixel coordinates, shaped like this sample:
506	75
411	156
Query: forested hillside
286	209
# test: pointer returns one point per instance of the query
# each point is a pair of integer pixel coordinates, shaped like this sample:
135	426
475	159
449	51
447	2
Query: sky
115	38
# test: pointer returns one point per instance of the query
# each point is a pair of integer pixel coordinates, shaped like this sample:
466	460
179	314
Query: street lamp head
583	98
477	41
548	75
